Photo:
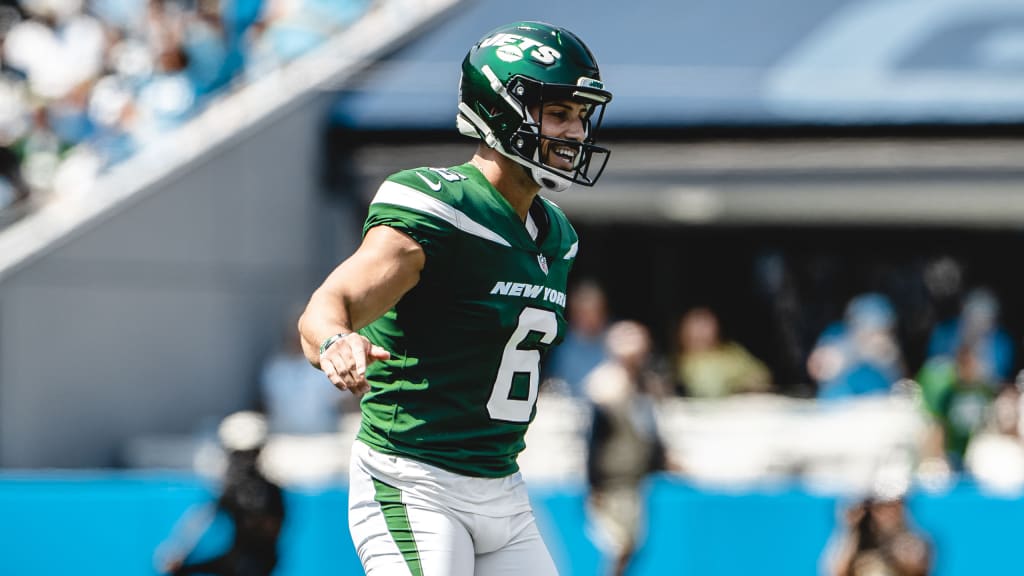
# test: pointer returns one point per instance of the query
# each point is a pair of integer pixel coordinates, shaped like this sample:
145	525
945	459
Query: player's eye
560	114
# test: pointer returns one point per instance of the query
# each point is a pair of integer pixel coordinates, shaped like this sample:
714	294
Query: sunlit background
837	185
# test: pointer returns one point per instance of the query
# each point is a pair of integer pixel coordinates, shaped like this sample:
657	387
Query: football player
441	317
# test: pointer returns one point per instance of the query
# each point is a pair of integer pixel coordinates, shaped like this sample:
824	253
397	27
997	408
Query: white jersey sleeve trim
411	198
572	251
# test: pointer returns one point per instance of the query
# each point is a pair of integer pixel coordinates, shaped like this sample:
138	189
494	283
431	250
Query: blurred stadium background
177	176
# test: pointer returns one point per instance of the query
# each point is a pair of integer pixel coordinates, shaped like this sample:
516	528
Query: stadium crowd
84	84
964	392
966	387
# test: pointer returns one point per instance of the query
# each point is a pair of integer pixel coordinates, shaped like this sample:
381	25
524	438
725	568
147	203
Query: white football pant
408	518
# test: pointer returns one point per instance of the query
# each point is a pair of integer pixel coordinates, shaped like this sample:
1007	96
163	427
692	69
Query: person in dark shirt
252	503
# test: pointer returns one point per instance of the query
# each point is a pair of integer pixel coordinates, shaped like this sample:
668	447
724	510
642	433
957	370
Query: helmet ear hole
518	90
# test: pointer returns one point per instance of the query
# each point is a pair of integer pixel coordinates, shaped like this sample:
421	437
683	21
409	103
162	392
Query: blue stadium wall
112	523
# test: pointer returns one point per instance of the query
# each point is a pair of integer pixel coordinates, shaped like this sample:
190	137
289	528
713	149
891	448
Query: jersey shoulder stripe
405	196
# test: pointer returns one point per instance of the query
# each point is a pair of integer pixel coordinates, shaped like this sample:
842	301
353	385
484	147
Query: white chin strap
548	180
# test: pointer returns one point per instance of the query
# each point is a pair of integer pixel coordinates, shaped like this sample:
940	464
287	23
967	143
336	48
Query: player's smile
561	156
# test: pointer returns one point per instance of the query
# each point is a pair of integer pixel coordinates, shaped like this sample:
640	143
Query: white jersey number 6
515	361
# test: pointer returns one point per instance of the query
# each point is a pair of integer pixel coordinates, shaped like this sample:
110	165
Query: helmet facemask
531	148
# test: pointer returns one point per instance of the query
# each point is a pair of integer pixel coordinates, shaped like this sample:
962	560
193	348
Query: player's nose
575	130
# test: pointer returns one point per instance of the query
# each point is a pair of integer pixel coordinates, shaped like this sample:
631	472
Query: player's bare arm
362	288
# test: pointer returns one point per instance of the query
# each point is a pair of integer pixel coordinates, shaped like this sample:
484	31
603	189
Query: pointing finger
378	353
359	351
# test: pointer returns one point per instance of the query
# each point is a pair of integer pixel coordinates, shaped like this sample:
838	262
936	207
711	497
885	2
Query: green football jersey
467	341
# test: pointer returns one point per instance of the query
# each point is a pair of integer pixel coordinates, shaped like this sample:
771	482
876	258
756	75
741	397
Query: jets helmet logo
513	47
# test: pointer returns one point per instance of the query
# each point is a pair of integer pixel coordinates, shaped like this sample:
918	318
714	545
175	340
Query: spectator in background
860	355
995	455
12	187
84	84
167	97
708	367
213	61
978	325
624	444
957	394
298	398
876	539
584	347
251	503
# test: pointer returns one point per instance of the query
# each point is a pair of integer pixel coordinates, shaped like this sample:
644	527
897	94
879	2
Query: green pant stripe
397	520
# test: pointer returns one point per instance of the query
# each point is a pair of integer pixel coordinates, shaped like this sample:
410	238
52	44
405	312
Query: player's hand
346	360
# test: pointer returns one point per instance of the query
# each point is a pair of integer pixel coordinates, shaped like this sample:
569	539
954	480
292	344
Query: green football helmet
526	64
